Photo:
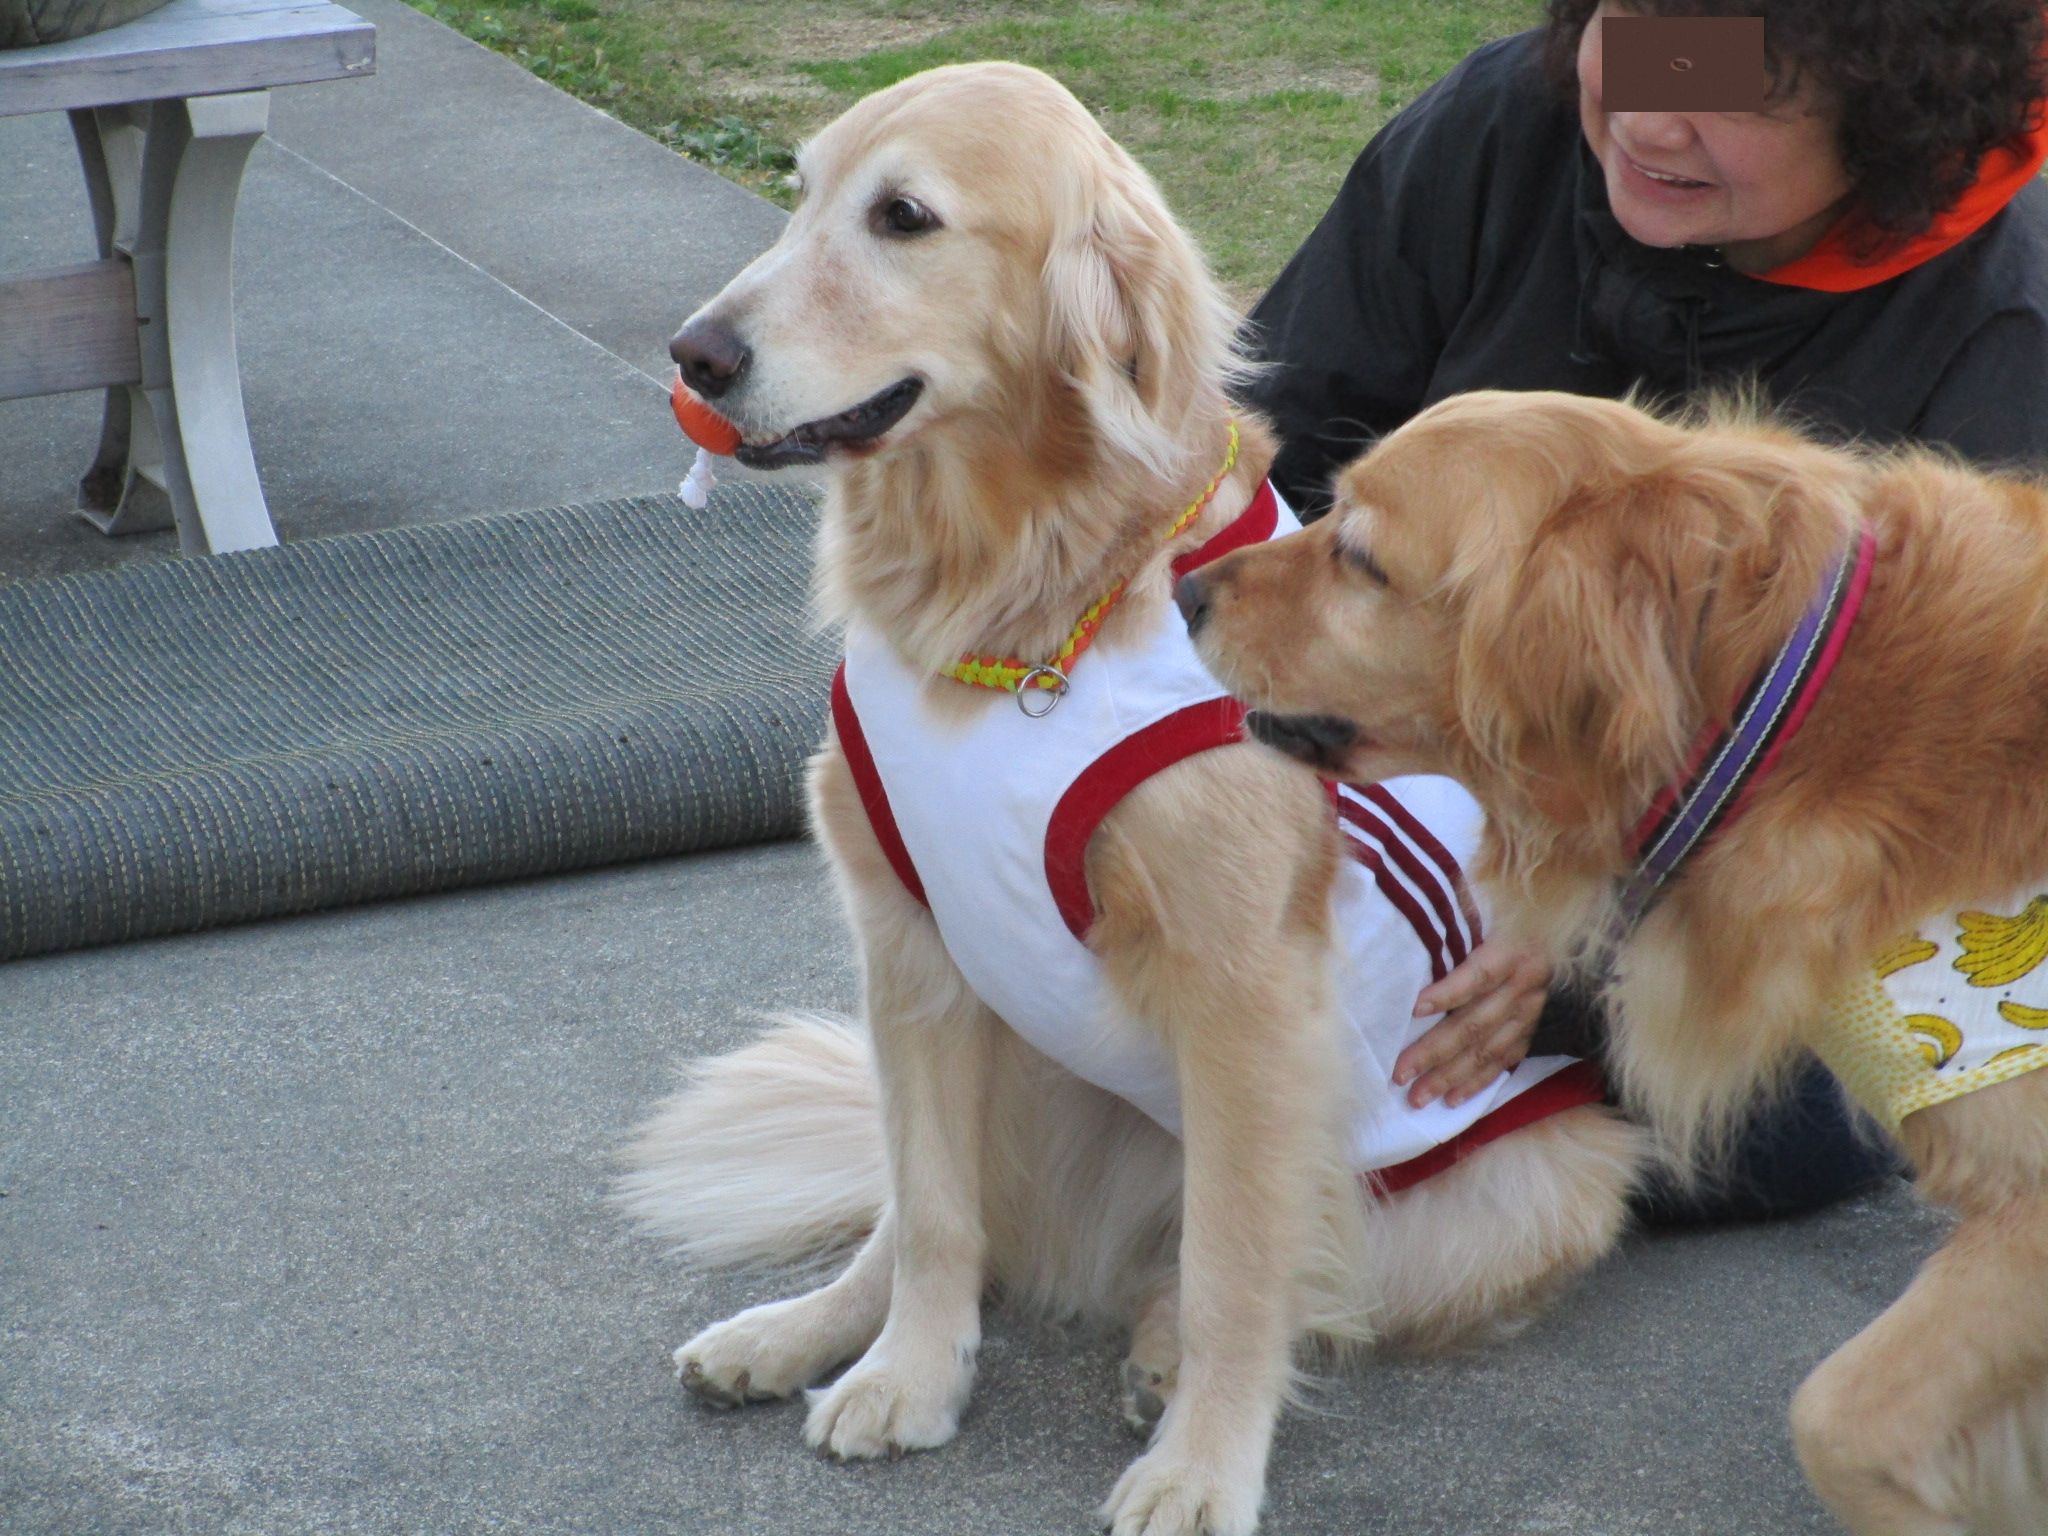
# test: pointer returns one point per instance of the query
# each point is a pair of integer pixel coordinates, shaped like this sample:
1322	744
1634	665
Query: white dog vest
1956	1006
987	817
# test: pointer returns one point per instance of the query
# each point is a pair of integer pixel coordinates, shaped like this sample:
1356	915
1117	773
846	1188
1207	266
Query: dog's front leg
1249	1132
1230	959
933	1040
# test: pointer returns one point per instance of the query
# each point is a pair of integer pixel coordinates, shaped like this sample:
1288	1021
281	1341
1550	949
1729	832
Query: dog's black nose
1191	596
710	355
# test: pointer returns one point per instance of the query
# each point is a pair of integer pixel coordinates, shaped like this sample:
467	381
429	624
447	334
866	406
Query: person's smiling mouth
1659	178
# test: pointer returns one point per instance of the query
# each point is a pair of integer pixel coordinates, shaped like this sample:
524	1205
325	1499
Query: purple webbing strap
1732	762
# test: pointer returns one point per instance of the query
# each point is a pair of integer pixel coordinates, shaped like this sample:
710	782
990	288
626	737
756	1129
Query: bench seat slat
190	48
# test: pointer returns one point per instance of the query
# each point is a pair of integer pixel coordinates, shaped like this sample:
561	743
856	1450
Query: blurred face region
1763	186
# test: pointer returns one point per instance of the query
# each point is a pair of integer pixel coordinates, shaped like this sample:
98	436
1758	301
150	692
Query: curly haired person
1870	249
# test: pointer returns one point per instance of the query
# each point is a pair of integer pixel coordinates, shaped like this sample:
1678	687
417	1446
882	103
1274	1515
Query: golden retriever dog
982	320
1552	599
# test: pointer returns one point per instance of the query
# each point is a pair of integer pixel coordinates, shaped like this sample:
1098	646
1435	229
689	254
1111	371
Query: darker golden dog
1550	598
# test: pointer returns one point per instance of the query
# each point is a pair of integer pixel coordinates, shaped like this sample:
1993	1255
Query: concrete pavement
303	1231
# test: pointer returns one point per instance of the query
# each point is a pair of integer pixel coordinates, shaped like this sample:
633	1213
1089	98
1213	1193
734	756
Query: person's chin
1652	226
1649	219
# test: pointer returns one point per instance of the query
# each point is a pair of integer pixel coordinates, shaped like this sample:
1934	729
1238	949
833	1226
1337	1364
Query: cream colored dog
983	321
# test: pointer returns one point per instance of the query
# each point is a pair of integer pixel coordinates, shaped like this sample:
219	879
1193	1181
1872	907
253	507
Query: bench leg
115	495
178	442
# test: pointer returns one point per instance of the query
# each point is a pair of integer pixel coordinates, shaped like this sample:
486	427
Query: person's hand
1490	1005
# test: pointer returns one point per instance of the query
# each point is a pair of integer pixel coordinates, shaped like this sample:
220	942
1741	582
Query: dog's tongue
701	424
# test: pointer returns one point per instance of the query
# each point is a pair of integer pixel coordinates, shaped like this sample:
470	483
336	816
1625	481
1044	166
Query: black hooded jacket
1472	247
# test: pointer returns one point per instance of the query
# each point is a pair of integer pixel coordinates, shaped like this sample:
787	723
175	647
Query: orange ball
701	424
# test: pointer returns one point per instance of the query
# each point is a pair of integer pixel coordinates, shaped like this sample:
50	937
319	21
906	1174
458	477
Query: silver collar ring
1027	690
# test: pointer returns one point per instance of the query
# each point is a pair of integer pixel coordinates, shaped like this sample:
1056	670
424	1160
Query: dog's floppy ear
1645	601
1579	666
1134	317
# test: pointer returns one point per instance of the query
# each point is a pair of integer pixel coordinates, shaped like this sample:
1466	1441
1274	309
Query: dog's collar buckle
1047	695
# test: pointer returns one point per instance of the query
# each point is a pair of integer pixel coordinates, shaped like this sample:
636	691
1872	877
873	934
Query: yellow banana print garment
1957	1006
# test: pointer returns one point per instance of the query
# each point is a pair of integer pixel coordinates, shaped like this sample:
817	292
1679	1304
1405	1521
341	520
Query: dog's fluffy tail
771	1154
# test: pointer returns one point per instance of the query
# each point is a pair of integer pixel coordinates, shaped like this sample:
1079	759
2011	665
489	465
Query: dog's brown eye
905	216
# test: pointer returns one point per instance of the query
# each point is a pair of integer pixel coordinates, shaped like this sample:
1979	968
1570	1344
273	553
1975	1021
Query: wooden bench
165	111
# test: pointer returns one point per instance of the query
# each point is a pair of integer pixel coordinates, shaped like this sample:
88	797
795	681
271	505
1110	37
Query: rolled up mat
240	736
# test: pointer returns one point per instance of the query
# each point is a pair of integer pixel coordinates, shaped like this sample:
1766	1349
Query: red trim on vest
1254	525
874	799
1104	782
1398	895
1430	880
2004	170
1419	833
1181	735
1571	1087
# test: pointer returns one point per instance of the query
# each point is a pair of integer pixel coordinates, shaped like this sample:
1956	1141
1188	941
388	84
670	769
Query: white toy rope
698	485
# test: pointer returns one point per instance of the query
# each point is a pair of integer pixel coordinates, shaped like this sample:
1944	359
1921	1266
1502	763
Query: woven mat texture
215	740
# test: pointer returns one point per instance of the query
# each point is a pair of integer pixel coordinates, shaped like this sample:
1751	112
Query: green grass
1248	113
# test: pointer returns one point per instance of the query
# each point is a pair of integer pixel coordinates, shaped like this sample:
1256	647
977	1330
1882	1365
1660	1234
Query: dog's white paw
761	1354
1164	1493
886	1406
